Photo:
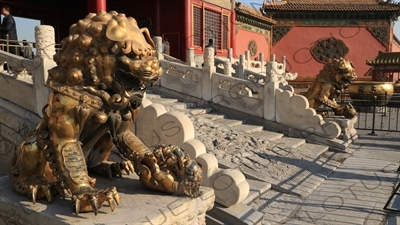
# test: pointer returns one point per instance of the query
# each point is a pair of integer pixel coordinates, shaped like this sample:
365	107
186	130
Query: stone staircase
277	167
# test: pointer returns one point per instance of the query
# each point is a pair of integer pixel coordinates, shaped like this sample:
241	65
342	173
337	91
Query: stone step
267	135
149	91
212	116
152	95
164	101
184	105
296	171
199	111
312	150
213	221
257	188
248	128
290	142
247	172
229	122
239	214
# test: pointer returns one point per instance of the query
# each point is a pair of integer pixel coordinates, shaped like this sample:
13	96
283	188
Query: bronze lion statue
335	76
105	65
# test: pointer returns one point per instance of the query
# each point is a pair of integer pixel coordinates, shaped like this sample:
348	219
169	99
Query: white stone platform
138	206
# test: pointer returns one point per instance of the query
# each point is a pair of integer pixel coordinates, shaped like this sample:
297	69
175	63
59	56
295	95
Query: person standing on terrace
26	50
9	27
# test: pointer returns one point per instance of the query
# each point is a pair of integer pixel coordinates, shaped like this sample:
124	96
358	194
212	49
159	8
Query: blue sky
26	28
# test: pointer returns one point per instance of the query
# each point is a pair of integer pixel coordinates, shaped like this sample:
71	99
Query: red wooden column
157	27
95	6
233	33
188	25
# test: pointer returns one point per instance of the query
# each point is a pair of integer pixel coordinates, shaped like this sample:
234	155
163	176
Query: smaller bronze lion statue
336	76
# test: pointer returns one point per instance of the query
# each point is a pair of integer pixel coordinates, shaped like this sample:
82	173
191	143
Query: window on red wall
225	32
212	27
197	26
215	27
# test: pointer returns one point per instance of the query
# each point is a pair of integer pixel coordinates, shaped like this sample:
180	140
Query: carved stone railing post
284	64
190	57
2	62
261	59
271	86
247	54
45	50
230	54
241	67
227	68
158	47
208	70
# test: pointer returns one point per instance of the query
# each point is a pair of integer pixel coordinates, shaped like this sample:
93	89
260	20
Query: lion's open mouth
129	87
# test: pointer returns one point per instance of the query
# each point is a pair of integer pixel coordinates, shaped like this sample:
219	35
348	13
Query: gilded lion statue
105	65
335	76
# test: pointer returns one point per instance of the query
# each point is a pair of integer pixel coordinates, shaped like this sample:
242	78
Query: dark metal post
384	112
7	44
373	117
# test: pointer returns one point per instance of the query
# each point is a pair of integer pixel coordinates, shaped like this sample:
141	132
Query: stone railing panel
26	78
181	78
17	91
293	110
238	94
232	84
16	123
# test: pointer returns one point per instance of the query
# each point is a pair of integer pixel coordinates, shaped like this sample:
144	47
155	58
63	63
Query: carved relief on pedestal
209	57
45	43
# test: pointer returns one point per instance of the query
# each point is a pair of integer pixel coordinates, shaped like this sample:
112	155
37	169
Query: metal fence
17	47
375	112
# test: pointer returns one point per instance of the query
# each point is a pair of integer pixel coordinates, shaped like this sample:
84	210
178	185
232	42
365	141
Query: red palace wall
395	48
296	45
243	37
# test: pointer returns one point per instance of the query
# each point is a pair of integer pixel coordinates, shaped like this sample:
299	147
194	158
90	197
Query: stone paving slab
229	122
277	207
257	188
239	214
289	142
164	100
354	194
248	128
138	206
211	116
184	105
268	135
378	152
298	175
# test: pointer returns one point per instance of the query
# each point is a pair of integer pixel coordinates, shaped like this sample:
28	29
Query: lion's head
107	51
340	72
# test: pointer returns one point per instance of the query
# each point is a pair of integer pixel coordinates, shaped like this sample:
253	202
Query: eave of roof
253	13
342	7
385	58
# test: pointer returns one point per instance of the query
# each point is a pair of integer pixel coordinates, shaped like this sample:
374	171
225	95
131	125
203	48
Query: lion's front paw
347	111
169	170
90	199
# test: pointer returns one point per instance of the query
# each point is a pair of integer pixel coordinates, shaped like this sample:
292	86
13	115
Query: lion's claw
93	199
34	189
33	193
127	166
